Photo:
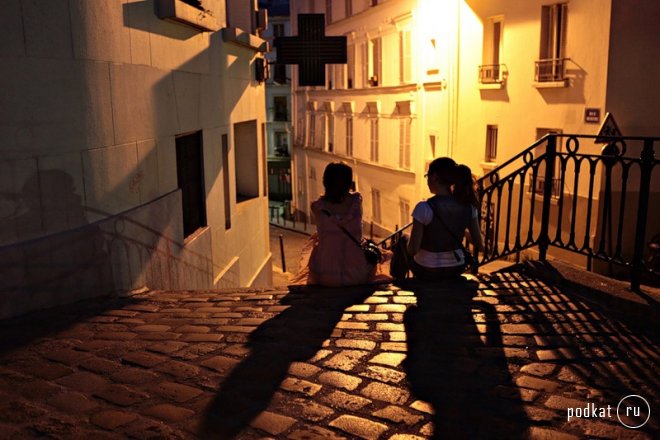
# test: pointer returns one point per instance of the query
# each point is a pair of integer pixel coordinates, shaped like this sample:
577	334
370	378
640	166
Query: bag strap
451	234
353	239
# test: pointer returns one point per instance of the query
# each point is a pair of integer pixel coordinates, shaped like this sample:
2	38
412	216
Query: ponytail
464	191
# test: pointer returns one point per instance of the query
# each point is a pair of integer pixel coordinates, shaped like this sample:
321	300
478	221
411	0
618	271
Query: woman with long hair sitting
440	223
332	257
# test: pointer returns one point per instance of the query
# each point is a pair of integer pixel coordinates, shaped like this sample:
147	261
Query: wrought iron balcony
491	74
540	186
550	70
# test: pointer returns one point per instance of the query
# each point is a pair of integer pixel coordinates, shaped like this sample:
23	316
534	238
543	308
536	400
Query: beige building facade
476	80
132	152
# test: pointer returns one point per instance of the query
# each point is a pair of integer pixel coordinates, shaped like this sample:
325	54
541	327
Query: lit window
404	212
405	57
349	135
491	143
331	132
373	123
550	67
312	129
375	63
490	71
404	143
375	205
350	67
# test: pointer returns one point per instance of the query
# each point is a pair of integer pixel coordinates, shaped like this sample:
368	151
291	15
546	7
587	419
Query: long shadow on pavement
26	329
296	334
458	373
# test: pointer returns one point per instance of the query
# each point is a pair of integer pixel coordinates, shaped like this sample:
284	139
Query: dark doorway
190	178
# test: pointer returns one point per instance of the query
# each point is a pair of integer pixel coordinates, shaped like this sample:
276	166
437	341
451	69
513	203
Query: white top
424	214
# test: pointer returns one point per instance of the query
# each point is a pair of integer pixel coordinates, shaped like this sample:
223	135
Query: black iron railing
602	203
490	74
552	69
596	205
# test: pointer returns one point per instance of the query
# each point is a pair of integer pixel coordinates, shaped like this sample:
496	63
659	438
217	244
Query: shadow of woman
464	377
296	334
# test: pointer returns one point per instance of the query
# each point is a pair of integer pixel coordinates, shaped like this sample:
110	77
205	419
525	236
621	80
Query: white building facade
132	152
476	80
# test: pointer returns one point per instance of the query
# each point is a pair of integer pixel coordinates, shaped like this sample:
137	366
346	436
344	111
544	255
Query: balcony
540	185
550	73
492	76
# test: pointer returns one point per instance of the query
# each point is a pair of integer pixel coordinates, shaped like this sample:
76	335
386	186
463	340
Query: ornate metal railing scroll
567	192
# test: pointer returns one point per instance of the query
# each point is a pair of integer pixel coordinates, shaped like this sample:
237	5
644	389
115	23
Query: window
349	135
404	212
339	76
541	177
281	108
375	205
312	183
350	67
348	8
433	144
491	143
312	130
279	75
375	60
490	71
364	64
331	133
328	12
550	66
330	76
281	143
246	146
373	124
300	133
404	143
320	139
190	179
405	51
225	180
278	30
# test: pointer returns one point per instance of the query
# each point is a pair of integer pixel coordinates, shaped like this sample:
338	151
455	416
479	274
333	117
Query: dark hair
443	168
464	192
337	181
448	172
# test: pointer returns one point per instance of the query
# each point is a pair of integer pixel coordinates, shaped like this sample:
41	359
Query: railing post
646	168
550	154
282	253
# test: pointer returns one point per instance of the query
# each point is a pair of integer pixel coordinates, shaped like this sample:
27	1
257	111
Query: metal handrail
393	235
603	210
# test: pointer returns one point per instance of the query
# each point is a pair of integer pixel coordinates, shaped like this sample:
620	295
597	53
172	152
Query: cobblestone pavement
501	357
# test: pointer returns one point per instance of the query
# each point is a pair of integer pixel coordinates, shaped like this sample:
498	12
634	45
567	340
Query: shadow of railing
119	253
594	356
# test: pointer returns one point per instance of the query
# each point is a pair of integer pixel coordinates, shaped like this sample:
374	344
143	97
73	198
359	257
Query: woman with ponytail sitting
440	223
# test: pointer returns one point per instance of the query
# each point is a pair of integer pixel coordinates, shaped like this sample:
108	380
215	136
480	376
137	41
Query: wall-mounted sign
592	115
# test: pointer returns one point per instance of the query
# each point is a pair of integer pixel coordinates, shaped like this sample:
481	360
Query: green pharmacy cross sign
311	50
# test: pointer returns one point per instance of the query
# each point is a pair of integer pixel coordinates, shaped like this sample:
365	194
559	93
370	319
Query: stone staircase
500	356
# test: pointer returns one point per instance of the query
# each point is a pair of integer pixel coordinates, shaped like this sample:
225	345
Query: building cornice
375	91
